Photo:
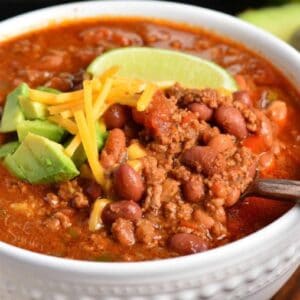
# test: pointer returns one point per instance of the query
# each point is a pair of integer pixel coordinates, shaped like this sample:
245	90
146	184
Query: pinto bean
203	218
126	209
221	142
193	190
202	111
187	243
115	116
232	121
203	158
243	97
114	148
128	183
123	231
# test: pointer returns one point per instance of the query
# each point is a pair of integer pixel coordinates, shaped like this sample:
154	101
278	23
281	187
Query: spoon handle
281	189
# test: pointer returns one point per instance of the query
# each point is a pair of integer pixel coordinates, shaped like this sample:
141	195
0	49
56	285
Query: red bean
203	158
115	116
203	112
128	183
243	97
187	243
221	142
126	209
232	121
193	191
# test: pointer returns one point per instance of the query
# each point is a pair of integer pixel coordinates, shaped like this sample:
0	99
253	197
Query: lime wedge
164	65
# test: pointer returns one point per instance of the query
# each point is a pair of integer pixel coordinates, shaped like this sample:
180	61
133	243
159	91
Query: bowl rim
163	265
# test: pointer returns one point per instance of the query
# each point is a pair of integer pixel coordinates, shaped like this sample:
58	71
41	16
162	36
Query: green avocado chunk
13	167
40	127
39	160
8	148
12	113
282	21
79	157
34	110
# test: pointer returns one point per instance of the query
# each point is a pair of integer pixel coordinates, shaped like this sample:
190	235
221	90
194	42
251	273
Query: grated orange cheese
146	97
72	147
92	156
56	109
66	114
110	72
100	100
88	108
67	124
52	99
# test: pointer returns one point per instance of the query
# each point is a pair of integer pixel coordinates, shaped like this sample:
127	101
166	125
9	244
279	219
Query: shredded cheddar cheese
56	109
100	100
91	154
52	99
146	97
78	113
65	123
72	147
109	73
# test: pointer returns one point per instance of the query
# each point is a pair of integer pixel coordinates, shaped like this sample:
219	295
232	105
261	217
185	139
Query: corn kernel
135	164
135	151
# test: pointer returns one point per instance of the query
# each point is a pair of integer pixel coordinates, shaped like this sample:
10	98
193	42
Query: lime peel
156	65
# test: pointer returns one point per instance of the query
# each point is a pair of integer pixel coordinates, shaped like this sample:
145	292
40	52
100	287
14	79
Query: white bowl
252	268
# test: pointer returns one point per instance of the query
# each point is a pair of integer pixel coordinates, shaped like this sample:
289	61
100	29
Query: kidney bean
202	111
221	142
243	97
232	121
114	148
115	116
126	209
193	190
203	158
128	183
187	243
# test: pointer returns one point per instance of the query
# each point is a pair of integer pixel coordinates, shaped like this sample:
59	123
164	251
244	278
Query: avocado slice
8	148
40	127
282	21
26	163
40	160
32	110
13	167
12	113
79	156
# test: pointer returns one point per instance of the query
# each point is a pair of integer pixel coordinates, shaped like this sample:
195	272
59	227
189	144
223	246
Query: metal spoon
278	189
